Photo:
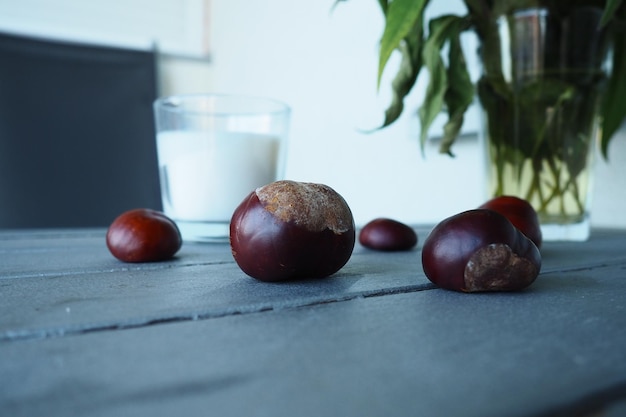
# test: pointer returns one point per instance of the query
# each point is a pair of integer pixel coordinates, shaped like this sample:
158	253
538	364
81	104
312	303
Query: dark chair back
77	143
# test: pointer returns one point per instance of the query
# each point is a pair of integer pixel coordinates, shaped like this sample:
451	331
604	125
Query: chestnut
143	235
289	230
480	250
387	235
520	213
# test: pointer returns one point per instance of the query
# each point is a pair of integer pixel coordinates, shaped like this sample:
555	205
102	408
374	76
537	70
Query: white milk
205	175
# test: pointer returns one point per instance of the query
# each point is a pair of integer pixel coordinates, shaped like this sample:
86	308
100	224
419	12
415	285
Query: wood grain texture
83	334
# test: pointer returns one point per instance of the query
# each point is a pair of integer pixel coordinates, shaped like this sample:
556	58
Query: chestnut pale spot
496	267
315	207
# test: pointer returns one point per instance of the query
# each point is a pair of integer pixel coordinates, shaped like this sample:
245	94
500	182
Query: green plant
450	88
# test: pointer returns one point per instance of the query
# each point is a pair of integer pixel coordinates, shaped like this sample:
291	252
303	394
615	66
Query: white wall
324	65
178	26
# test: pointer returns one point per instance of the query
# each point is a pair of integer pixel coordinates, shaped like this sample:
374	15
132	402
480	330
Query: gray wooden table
82	334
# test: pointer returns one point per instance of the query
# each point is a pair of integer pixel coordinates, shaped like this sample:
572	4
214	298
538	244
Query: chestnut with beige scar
292	230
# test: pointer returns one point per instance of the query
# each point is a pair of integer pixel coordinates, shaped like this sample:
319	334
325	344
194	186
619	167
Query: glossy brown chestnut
292	230
387	235
480	250
520	213
143	235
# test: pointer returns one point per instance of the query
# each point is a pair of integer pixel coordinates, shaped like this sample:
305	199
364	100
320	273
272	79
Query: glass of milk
213	150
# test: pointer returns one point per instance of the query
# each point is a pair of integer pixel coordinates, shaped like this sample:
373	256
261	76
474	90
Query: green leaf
441	30
384	4
400	20
609	11
480	14
410	66
459	95
614	106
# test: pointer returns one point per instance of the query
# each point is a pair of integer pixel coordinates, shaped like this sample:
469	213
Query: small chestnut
480	250
143	235
387	235
520	213
292	230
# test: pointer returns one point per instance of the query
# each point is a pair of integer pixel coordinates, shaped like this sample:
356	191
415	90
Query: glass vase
544	72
